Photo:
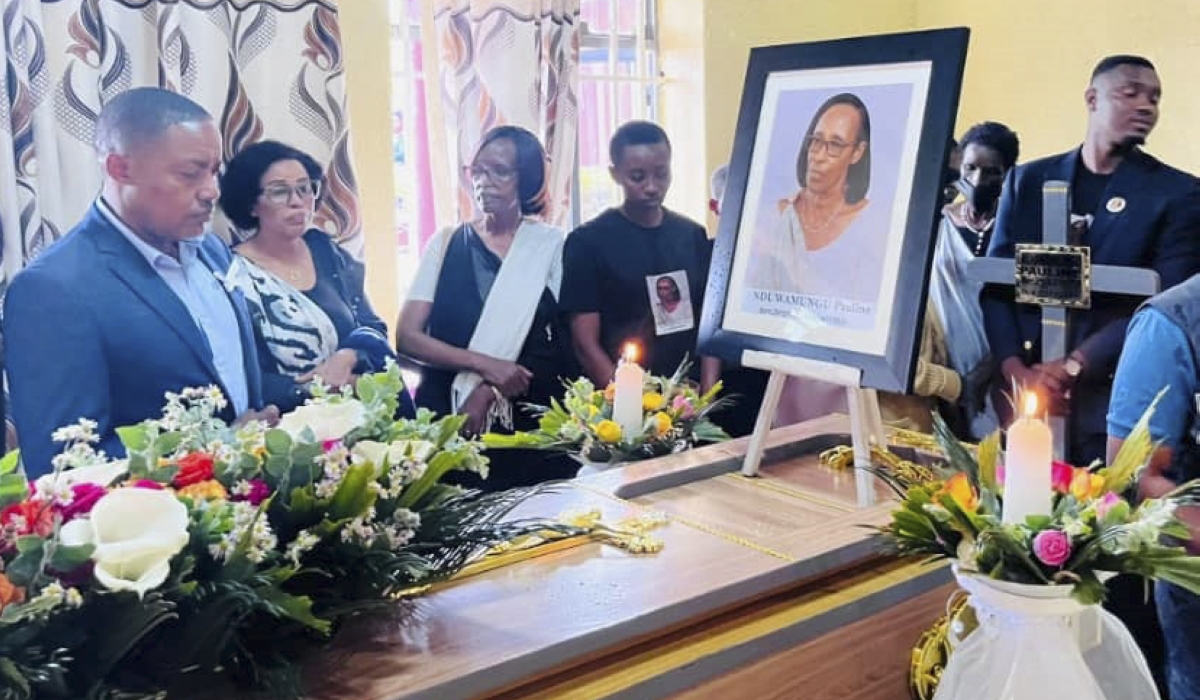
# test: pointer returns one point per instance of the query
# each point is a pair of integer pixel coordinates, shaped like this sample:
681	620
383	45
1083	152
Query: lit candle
1027	466
627	396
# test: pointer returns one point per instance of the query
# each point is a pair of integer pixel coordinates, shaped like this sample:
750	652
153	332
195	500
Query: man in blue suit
1130	209
130	304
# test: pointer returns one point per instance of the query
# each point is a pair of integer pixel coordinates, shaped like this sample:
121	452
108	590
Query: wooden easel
866	423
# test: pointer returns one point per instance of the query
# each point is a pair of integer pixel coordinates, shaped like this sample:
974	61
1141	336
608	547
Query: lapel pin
1116	205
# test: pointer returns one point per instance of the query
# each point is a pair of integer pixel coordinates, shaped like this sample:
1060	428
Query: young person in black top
612	264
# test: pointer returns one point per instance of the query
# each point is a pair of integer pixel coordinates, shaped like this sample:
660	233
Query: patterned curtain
264	69
511	62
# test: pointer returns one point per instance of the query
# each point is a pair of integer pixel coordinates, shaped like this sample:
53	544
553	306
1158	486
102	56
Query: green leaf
134	437
167	443
14	488
9	462
354	496
298	608
70	558
278	442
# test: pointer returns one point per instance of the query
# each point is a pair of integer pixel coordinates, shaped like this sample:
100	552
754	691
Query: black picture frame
889	363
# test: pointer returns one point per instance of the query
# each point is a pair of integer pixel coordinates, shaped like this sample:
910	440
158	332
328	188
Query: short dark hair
1109	63
241	183
531	165
635	133
858	178
997	137
141	115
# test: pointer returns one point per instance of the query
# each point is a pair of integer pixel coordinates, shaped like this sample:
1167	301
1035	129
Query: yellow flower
652	401
960	491
592	412
608	431
610	392
662	423
1086	486
210	490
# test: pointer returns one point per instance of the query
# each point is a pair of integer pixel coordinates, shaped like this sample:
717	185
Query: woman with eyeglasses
482	313
826	241
312	318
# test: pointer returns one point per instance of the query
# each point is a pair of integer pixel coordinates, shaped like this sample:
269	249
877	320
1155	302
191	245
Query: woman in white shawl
989	152
482	313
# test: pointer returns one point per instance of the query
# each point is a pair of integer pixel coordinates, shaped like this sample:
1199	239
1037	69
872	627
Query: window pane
597	14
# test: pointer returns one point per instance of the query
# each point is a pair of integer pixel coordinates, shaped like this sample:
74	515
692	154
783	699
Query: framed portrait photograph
829	216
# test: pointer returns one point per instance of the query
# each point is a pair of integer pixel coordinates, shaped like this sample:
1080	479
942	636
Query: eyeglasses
496	174
835	149
282	194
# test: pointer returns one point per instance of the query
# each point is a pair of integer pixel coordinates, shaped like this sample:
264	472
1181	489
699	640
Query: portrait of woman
813	238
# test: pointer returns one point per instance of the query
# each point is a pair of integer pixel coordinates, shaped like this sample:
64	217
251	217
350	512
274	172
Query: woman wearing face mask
989	152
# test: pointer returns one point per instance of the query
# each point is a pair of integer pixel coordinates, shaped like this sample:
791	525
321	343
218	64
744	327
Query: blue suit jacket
1159	228
93	331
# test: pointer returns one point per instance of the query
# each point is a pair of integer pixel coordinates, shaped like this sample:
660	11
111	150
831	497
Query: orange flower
1086	486
9	593
959	488
210	490
610	392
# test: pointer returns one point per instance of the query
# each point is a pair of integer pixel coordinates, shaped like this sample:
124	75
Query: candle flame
630	352
1031	404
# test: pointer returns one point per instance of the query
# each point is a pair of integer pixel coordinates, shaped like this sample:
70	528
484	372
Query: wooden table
766	588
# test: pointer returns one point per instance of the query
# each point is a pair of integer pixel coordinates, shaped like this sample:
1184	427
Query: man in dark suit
1130	209
130	304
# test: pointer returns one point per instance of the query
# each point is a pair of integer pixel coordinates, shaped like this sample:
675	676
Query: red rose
28	518
193	468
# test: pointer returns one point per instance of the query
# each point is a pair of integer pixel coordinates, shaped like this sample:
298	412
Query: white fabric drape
511	62
263	68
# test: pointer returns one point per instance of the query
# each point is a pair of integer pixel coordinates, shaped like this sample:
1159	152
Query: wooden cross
1056	316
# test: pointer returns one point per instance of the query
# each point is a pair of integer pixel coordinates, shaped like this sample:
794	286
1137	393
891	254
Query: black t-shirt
1087	191
610	266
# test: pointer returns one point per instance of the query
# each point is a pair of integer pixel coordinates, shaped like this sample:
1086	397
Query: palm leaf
956	455
1135	451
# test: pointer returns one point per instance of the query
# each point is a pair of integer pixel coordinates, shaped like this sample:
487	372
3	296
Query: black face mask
983	197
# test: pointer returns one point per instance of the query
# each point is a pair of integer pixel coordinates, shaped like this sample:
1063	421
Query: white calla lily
328	421
136	533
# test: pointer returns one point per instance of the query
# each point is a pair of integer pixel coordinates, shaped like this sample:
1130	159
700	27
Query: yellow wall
1029	62
732	27
366	37
1027	65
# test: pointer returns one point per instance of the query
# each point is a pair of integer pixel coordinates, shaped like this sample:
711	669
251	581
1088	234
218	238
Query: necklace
981	235
815	230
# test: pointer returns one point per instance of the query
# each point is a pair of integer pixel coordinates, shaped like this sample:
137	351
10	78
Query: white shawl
533	263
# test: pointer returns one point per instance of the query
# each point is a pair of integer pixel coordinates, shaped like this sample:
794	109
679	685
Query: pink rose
682	407
147	484
1000	473
1052	547
1061	474
83	497
1107	503
328	446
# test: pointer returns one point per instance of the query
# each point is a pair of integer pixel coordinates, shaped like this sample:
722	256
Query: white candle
627	397
1027	466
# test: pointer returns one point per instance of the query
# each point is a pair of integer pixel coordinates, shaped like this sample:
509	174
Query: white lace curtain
511	62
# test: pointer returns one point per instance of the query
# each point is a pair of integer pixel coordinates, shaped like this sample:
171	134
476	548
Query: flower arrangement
954	511
675	417
214	548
